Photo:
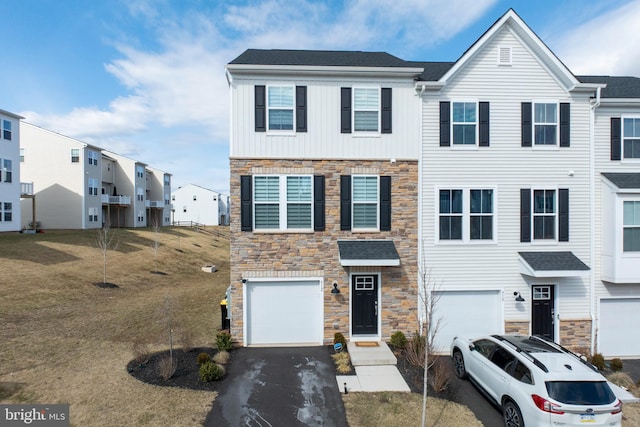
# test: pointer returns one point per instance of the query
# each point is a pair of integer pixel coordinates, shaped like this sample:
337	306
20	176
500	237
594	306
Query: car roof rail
520	350
563	349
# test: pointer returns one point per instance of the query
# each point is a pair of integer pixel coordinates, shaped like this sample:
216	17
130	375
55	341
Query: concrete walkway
375	368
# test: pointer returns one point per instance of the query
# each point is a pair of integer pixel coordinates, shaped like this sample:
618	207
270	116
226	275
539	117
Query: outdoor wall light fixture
244	280
335	289
518	296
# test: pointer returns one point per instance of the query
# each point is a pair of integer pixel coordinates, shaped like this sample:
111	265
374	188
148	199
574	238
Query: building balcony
26	189
116	200
154	204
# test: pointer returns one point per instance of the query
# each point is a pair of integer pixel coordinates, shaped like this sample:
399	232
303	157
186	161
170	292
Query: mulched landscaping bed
187	373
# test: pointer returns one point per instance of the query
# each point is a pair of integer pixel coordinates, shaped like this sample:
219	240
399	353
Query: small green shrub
203	358
339	338
616	364
223	341
597	360
398	340
210	371
221	357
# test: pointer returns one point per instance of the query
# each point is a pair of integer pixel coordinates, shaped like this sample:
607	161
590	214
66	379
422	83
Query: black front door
542	311
364	304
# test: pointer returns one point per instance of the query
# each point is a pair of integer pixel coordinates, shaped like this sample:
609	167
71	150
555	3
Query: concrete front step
371	356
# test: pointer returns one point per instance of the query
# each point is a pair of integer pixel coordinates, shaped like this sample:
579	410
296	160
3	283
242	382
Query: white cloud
607	44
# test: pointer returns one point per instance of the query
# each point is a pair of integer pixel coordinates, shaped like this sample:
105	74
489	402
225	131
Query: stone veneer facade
574	334
315	254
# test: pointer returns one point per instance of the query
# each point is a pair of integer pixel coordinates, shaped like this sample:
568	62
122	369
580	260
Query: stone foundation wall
520	328
575	334
315	254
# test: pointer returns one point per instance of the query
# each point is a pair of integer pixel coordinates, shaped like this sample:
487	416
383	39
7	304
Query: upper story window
544	214
139	194
93	187
140	171
7	170
195	198
283	202
21	155
93	158
280	107
365	202
75	155
631	226
466	214
6	130
464	123
366	109
167	180
545	123
450	215
631	138
481	215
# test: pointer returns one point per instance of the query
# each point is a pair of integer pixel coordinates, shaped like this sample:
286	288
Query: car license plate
587	418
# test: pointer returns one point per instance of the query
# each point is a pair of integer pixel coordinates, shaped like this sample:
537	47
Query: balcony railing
154	204
26	188
115	200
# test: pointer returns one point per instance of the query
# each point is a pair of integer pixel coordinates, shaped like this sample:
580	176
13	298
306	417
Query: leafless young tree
106	240
155	227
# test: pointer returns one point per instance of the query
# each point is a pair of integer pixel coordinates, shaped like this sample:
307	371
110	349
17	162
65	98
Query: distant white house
9	171
198	204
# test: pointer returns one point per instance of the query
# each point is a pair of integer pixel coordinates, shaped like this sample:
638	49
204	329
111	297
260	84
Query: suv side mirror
472	347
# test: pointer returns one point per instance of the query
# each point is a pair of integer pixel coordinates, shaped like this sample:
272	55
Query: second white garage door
284	313
619	326
468	314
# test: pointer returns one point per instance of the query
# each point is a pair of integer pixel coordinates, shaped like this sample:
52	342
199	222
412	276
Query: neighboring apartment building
529	202
198	204
10	189
324	190
81	186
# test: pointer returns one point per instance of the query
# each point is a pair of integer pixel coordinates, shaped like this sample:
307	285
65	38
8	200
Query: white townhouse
528	208
66	175
10	188
158	193
194	203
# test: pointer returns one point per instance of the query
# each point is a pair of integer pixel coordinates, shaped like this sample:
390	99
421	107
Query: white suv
536	382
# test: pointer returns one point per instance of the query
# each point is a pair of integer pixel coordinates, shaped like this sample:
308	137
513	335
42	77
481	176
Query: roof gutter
592	225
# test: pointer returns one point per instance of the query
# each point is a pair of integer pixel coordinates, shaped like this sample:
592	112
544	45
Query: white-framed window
140	216
631	226
75	155
6	211
6	130
464	119
544	214
21	155
365	202
545	123
466	214
140	171
366	109
195	198
139	194
280	108
631	137
173	197
92	156
542	292
283	202
93	214
7	170
167	180
167	199
93	187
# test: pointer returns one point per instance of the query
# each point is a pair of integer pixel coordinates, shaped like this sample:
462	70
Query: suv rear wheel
458	365
512	415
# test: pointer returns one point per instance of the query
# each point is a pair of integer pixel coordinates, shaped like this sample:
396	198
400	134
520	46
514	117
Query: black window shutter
345	202
616	141
386	109
301	108
484	124
246	205
526	119
565	124
385	203
318	203
261	110
525	215
563	215
345	110
445	121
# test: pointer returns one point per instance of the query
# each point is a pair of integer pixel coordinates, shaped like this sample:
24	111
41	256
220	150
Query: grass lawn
65	340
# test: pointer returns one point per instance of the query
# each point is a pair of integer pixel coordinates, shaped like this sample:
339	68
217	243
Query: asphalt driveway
268	387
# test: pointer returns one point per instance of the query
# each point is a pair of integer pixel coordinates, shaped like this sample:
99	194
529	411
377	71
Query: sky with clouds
145	78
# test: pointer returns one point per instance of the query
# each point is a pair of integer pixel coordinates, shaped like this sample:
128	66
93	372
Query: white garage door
619	326
468	314
287	312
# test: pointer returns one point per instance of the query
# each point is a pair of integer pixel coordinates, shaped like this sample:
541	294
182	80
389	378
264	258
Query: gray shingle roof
553	261
623	180
319	58
432	70
367	250
617	87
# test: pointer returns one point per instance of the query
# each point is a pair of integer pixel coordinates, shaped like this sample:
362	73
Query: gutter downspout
592	249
